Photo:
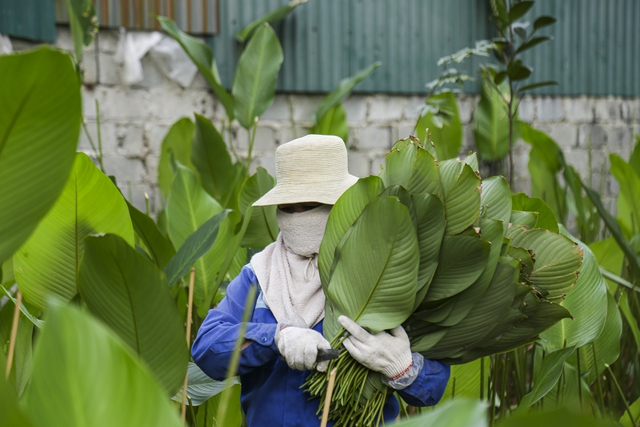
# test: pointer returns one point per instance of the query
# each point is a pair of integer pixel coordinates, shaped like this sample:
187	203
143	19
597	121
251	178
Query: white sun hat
310	169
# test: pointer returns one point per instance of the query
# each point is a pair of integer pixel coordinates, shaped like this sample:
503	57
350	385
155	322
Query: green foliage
271	18
491	122
47	264
84	24
128	294
176	145
79	372
453	413
39	128
254	83
441	119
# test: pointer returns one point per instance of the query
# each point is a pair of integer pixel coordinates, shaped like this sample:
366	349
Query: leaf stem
14	332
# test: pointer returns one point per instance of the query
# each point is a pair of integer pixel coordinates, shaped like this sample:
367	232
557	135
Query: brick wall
135	119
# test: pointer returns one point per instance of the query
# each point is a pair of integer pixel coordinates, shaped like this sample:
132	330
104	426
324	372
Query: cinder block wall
135	119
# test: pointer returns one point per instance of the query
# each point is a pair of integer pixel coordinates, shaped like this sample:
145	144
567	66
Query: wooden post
327	399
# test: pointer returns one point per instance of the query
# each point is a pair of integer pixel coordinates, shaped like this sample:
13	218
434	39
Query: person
284	334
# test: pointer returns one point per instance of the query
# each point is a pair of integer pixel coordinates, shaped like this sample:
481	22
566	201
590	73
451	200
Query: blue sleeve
216	338
429	385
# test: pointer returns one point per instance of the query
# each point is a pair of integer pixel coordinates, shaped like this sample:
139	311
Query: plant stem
626	404
99	137
579	378
14	333
189	314
599	380
482	378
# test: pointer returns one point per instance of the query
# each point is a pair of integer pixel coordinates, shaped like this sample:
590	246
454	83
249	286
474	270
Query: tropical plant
467	270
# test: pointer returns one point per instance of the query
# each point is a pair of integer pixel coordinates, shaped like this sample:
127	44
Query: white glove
299	347
387	352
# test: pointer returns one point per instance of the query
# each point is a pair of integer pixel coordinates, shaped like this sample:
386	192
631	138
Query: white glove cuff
407	378
399	366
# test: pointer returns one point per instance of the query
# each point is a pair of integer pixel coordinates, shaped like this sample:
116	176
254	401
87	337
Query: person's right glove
299	347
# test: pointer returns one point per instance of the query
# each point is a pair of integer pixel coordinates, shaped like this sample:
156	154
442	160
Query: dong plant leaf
85	376
39	127
254	84
130	295
47	264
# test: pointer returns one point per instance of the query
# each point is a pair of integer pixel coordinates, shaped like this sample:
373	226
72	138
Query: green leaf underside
39	128
89	204
130	295
61	393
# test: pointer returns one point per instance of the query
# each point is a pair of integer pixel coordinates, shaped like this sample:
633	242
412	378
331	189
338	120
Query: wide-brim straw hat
313	168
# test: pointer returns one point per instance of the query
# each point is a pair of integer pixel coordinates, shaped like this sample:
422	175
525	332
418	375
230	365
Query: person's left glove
386	352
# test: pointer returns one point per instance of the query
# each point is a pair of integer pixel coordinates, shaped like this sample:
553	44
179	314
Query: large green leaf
557	260
12	413
412	167
84	376
634	159
194	248
254	84
605	350
445	127
587	303
623	303
628	200
546	377
376	288
89	204
545	218
343	214
156	244
210	157
635	412
272	17
342	91
461	195
202	57
130	295
334	122
84	24
177	145
496	199
429	215
491	124
201	387
453	413
39	125
188	207
462	261
610	257
263	227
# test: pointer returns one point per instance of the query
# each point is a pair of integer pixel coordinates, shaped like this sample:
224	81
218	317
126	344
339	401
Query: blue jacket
271	393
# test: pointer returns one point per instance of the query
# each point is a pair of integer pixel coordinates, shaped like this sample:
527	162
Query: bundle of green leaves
466	267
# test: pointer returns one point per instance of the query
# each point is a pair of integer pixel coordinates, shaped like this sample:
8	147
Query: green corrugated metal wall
596	50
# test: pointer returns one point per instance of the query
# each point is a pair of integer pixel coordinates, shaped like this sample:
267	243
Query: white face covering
302	231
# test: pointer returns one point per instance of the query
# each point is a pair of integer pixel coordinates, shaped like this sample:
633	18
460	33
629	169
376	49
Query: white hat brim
327	193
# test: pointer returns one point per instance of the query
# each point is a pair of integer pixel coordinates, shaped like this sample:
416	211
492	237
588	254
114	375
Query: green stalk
99	136
235	357
599	380
579	379
482	378
624	400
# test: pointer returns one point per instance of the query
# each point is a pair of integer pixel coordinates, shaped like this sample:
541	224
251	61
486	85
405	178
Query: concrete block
120	103
89	102
579	110
549	109
607	110
521	185
468	141
265	140
527	109
593	136
108	72
266	161
63	39
168	105
359	164
402	130
356	108
83	142
588	164
466	108
154	134
89	65
289	133
126	170
377	163
385	108
203	103
304	106
151	162
137	196
619	140
199	82
152	76
413	107
565	134
373	137
21	44
279	110
107	40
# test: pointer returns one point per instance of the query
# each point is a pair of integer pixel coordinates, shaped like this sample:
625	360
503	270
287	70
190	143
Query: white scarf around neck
287	270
